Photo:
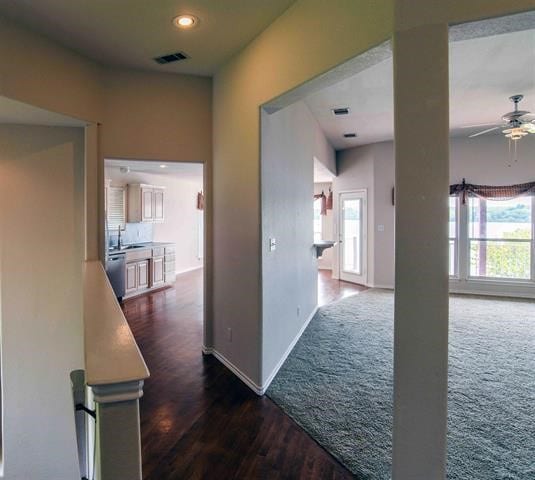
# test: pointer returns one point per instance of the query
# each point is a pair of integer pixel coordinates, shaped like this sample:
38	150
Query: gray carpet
337	384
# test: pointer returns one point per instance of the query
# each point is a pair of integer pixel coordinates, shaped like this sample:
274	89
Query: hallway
197	419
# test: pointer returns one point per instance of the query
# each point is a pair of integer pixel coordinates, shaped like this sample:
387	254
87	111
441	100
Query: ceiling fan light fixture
515	133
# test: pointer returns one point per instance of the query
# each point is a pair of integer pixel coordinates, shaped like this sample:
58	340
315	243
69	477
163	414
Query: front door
352	238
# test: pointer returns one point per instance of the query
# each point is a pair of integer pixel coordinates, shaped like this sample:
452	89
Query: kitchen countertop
143	246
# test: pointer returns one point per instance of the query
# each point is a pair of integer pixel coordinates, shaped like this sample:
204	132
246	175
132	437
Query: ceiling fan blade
494	124
484	131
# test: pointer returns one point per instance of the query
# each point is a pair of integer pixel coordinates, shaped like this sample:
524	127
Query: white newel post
118	441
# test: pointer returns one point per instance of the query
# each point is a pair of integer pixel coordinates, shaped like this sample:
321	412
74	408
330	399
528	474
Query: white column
421	296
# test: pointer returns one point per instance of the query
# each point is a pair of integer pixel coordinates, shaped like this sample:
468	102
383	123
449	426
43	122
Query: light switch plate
272	244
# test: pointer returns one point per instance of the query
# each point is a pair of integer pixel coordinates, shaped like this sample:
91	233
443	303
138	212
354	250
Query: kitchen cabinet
143	274
158	197
131	278
149	268
145	203
157	271
137	276
169	268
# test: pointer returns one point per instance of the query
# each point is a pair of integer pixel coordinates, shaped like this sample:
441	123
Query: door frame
362	279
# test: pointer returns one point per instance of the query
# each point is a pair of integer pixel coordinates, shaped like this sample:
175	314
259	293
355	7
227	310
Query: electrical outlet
229	334
298	310
272	244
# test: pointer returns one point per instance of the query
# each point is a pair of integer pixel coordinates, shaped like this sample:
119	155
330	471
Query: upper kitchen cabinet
115	206
145	203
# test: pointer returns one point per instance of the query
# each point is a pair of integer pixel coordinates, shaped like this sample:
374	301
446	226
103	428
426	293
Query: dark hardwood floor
198	421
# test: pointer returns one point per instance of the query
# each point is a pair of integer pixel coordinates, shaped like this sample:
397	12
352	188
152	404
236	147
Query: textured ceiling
484	73
131	33
182	169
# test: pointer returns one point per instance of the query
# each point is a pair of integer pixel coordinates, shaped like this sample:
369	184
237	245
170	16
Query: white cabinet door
157	271
158	209
131	277
147	207
143	274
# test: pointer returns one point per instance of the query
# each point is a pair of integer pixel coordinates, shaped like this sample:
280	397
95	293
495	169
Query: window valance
326	201
501	192
200	200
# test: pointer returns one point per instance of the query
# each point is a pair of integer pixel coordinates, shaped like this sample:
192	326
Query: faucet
119	240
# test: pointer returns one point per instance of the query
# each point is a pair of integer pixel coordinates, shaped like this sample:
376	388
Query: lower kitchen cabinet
137	276
157	271
149	268
131	277
143	274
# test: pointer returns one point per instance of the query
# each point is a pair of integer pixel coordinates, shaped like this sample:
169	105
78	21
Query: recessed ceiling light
185	21
163	166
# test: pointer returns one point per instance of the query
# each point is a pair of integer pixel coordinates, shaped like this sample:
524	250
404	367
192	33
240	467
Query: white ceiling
484	73
20	113
181	169
132	32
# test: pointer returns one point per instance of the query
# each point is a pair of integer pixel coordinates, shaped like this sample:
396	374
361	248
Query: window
317	220
500	238
492	239
453	237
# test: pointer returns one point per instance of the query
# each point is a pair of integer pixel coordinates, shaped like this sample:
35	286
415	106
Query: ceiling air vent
340	111
172	57
350	135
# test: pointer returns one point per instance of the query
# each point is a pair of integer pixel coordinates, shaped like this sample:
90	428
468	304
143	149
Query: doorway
353	236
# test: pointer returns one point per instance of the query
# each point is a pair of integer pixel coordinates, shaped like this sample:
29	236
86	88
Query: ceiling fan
516	124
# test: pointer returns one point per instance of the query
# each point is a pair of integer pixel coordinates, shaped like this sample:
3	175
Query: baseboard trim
280	363
178	272
236	371
207	350
259	389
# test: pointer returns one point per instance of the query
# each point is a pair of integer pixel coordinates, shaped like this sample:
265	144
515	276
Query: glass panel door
353	237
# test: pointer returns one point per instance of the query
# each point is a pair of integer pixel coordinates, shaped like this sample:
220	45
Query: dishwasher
115	269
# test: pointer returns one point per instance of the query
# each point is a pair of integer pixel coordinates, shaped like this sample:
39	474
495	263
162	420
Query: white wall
156	116
181	224
41	220
327	233
277	60
290	140
481	160
384	211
